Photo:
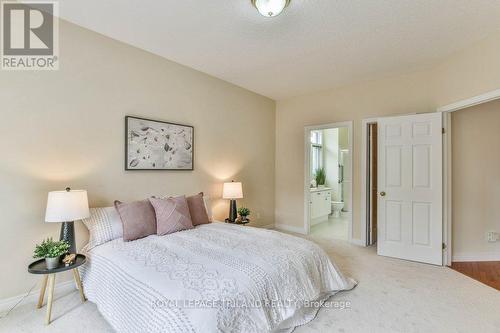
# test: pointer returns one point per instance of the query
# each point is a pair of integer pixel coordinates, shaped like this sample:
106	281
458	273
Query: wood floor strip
487	272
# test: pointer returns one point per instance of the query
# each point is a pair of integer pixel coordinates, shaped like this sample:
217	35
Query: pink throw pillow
197	209
172	215
138	219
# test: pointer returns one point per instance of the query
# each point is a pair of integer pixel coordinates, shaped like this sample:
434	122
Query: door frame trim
469	102
364	152
307	172
447	190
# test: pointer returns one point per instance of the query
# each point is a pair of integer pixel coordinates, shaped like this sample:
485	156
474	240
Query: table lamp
232	191
66	207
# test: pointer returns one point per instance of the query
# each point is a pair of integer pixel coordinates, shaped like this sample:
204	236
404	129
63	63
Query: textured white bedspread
214	278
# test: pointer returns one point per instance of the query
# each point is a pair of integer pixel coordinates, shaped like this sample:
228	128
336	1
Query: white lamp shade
232	191
67	206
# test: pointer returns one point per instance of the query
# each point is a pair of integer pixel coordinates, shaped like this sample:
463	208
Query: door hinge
443	130
444	246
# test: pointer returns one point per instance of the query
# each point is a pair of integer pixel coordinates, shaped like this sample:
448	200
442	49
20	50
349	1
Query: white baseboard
267	226
476	256
290	228
60	289
358	242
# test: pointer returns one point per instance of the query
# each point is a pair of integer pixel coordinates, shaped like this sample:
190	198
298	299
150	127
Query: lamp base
68	235
233	212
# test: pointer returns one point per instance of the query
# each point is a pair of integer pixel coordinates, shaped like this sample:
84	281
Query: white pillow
208	207
104	225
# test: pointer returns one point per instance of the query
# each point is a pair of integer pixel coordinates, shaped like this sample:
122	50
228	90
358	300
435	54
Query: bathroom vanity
320	204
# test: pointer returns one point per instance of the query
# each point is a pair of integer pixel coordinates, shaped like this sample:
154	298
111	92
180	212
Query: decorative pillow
206	202
208	207
138	219
172	215
197	209
104	225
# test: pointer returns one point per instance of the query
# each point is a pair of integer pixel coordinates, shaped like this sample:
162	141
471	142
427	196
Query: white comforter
214	278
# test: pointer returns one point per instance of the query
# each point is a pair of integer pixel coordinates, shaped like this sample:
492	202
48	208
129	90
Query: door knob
382	194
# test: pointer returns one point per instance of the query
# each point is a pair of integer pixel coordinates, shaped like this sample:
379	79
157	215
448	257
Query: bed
213	278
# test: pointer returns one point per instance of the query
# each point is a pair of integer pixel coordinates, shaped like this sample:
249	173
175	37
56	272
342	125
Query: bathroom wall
331	160
344	138
346	159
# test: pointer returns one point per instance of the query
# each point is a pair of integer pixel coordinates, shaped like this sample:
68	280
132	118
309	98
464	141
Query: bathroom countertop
317	189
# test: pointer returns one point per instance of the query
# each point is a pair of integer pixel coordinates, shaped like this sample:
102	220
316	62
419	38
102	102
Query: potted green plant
320	177
51	251
244	212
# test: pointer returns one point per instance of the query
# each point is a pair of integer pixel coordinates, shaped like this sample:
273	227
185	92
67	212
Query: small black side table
39	267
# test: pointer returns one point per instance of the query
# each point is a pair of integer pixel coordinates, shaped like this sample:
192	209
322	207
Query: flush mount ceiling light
270	8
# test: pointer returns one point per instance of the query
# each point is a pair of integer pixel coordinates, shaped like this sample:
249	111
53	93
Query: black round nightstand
39	267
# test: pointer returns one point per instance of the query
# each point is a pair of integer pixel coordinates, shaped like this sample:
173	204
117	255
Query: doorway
475	190
328	181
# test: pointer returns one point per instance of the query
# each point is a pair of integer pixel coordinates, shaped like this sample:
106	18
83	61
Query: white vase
52	262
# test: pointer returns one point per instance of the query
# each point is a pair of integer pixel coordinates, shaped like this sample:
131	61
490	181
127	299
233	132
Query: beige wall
476	180
463	75
66	128
472	72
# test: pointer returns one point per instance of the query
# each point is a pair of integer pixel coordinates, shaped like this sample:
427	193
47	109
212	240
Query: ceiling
314	45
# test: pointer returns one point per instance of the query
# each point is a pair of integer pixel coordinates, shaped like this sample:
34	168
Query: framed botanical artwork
158	145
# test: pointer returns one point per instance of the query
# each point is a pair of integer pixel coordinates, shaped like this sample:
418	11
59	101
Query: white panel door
410	224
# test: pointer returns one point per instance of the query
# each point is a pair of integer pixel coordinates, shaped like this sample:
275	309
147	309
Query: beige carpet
392	296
